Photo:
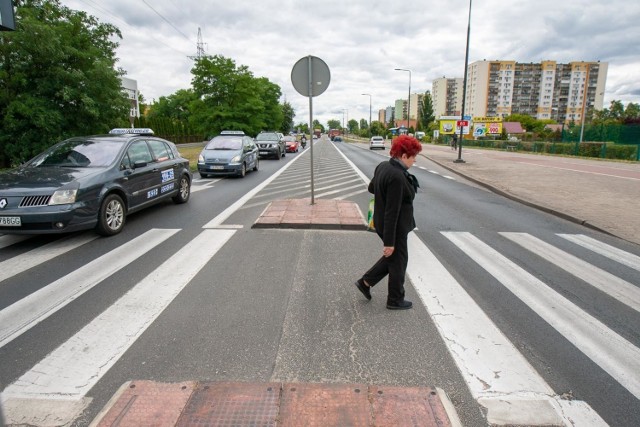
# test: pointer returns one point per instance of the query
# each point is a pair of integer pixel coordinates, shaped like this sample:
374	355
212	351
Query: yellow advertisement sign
487	119
490	128
449	127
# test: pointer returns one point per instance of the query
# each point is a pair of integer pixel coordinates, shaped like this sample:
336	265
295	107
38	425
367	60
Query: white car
376	142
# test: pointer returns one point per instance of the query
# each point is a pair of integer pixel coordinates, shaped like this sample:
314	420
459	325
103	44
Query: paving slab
148	403
329	214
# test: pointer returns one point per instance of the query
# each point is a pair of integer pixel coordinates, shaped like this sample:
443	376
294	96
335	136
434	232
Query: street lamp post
464	88
366	94
408	99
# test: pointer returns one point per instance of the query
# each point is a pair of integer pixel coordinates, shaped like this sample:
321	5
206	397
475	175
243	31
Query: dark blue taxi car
92	182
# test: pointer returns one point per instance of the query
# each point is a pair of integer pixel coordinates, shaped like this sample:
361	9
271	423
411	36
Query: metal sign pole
311	124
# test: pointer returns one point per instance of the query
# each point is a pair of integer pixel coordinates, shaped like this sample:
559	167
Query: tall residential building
545	90
446	96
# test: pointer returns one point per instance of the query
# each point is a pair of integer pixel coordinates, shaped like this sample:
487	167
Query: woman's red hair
405	144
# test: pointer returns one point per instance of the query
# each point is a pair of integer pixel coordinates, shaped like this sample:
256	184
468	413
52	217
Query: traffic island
325	214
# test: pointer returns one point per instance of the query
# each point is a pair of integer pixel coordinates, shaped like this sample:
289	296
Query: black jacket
394	189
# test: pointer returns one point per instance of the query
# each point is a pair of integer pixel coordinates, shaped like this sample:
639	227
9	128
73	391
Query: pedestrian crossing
497	374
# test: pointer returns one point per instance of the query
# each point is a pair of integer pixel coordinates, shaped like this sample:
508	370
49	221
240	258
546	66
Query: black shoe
363	288
402	305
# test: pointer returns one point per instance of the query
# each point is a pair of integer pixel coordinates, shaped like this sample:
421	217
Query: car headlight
236	159
200	158
63	197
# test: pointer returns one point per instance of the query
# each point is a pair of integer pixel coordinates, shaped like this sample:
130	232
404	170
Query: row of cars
97	181
234	153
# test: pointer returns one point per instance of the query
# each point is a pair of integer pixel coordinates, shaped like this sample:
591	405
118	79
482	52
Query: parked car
292	144
230	153
92	182
376	142
270	144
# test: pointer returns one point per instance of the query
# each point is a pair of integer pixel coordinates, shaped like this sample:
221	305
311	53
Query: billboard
449	127
485	126
7	21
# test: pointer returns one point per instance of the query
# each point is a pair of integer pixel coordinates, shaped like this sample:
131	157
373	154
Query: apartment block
446	96
545	90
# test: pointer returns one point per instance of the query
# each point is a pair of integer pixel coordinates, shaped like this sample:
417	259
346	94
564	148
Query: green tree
58	79
174	107
377	128
288	113
317	125
230	97
334	124
426	112
353	126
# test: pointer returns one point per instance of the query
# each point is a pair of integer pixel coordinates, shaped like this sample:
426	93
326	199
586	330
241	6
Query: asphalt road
495	323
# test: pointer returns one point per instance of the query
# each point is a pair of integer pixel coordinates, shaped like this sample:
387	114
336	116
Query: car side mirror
139	164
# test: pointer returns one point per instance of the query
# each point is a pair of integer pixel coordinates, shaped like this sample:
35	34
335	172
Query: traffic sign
310	72
462	123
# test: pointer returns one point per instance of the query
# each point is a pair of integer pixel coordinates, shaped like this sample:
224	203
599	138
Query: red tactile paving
323	214
402	406
321	405
232	404
145	403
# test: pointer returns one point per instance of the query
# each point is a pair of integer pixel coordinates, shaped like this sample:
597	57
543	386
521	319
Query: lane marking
34	257
604	281
12	239
614	354
498	376
225	214
33	309
613	253
66	375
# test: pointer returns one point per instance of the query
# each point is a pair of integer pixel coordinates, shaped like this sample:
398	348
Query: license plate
217	168
264	152
10	221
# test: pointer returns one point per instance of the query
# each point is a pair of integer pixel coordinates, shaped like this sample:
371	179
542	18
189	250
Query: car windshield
78	153
289	139
267	137
224	143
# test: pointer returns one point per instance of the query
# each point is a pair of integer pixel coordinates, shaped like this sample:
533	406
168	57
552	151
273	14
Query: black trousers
395	266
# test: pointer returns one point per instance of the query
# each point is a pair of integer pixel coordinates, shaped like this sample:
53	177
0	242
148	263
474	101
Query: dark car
92	182
337	139
270	144
292	144
230	153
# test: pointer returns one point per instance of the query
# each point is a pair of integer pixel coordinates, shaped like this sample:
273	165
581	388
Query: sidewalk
603	195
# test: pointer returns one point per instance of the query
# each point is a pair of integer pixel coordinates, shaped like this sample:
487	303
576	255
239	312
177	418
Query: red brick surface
145	403
323	214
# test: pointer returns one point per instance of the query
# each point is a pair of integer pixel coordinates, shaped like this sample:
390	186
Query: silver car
230	153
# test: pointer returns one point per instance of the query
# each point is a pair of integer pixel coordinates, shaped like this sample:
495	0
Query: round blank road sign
320	76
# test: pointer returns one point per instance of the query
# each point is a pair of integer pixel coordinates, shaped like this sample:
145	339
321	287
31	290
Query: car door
250	152
166	164
142	177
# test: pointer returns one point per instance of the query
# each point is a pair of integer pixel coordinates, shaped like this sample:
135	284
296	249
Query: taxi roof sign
136	131
232	132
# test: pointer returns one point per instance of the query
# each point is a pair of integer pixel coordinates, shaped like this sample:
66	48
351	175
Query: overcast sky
363	41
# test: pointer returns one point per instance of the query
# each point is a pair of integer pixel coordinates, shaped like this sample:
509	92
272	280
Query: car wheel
255	167
243	170
184	191
279	154
284	153
111	216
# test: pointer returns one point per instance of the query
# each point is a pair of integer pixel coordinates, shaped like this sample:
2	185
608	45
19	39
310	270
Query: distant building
446	96
545	90
130	87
